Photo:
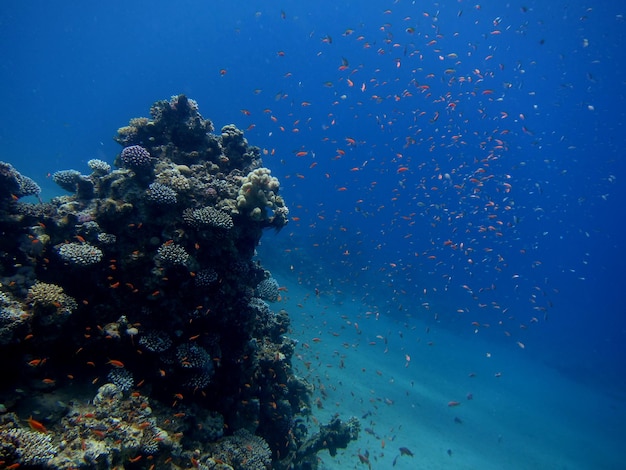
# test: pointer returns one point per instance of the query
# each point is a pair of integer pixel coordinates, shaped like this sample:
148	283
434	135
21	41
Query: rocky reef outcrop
140	287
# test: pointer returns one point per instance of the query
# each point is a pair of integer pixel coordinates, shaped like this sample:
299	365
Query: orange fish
115	363
36	425
36	362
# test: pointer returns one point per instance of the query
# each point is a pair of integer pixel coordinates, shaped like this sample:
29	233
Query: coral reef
160	193
333	436
13	319
267	289
207	216
135	157
258	198
73	181
15	185
243	450
99	167
171	254
115	428
155	341
46	298
26	447
121	378
80	254
205	277
144	277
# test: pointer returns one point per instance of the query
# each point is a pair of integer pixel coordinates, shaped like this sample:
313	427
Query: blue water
460	162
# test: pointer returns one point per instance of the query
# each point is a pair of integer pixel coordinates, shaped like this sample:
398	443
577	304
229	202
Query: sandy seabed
512	413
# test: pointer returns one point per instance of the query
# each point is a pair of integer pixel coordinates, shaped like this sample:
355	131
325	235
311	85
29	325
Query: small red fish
36	425
454	403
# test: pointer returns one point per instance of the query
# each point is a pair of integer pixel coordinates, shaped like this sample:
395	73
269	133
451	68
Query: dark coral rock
180	118
178	131
332	436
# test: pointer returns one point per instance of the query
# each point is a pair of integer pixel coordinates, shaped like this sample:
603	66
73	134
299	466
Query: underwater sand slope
527	417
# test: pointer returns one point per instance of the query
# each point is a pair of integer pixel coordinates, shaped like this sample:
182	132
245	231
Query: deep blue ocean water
454	163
